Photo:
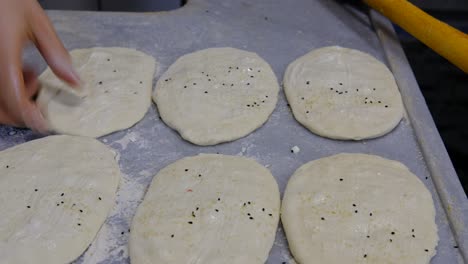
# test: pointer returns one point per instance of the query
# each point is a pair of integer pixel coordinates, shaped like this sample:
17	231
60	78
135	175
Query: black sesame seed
341	83
237	68
365	255
79	224
427	250
258	71
263	209
248	105
166	80
248	214
248	202
302	98
412	230
28	206
323	218
379	102
248	83
354	205
244	204
108	59
308	82
368	236
186	169
263	101
427	178
386	106
197	209
266	96
232	84
194	83
81	211
185	86
346	91
61	202
357	90
35	190
307	112
62	194
270	214
193	213
100	83
115	71
373	89
356	211
370	214
251	76
216	210
141	82
199	175
365	102
292	151
413	236
219	199
209	80
455	246
99	198
190	222
331	89
371	102
393	233
7	166
122	233
391	240
172	235
206	92
58	204
135	92
341	179
251	218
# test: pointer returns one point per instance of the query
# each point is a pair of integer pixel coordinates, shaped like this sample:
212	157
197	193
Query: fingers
51	48
16	106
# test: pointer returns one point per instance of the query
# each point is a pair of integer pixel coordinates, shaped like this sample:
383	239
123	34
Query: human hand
21	22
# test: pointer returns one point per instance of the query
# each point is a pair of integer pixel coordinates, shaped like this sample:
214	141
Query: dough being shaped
342	93
55	193
118	83
356	208
207	209
216	95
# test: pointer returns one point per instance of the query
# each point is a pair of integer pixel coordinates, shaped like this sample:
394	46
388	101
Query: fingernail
76	78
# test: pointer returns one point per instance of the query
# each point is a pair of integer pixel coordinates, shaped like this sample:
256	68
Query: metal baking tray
279	31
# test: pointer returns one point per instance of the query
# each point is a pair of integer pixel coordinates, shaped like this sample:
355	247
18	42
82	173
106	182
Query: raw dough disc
342	93
118	83
207	209
356	208
55	193
216	95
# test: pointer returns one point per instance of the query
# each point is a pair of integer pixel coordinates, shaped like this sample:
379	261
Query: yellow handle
442	38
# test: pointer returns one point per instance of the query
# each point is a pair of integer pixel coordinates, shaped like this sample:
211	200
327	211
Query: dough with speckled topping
216	95
356	208
207	209
117	85
343	93
55	193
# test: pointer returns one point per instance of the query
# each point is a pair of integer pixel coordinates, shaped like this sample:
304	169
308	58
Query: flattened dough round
356	208
117	82
55	193
207	209
216	95
343	93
